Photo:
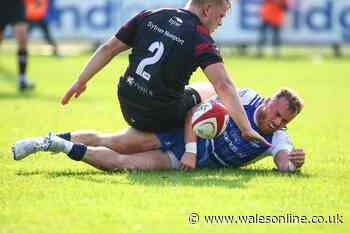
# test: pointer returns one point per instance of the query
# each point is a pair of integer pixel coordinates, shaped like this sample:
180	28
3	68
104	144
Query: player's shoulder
202	34
147	13
159	12
248	96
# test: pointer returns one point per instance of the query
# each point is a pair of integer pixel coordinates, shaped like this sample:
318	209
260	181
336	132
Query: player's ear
206	9
266	102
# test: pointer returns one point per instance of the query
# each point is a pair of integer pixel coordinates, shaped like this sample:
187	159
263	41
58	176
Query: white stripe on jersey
247	95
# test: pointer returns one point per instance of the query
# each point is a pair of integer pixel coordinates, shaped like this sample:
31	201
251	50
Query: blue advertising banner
310	21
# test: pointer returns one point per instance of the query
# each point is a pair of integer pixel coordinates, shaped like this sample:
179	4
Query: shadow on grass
228	178
7	76
35	95
16	95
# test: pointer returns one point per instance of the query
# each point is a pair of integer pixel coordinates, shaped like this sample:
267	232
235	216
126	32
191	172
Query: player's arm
204	89
227	91
99	59
189	158
286	158
123	40
289	161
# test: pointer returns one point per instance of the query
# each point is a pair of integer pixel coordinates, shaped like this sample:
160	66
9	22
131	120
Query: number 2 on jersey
157	45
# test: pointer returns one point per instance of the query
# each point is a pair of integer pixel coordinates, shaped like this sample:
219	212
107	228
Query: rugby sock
22	57
66	136
22	78
60	145
77	152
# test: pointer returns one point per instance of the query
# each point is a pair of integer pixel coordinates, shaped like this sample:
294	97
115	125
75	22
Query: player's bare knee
94	137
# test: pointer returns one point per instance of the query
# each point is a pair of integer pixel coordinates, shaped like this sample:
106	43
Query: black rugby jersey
168	45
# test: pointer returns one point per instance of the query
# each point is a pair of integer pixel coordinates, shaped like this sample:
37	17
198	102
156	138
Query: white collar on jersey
254	115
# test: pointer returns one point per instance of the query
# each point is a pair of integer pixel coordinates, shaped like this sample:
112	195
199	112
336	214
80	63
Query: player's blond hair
202	2
295	103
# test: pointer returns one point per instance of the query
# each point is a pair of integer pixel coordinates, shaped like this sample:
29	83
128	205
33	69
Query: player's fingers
299	150
183	167
188	167
64	101
296	152
77	94
260	138
298	164
67	97
297	160
80	91
296	156
300	161
263	141
253	135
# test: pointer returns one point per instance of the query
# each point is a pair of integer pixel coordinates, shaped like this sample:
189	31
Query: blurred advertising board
308	21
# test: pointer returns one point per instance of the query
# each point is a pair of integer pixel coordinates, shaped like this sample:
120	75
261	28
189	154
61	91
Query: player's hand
297	157
75	90
188	161
252	135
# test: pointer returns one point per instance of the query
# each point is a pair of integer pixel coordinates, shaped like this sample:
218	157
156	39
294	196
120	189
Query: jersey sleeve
247	95
127	33
206	52
280	141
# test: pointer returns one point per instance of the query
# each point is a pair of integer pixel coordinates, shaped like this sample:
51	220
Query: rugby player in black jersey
167	46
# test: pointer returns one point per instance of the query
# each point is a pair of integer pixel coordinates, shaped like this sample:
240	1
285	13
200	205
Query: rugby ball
209	120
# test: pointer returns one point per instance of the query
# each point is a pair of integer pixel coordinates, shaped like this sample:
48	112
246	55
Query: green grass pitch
50	193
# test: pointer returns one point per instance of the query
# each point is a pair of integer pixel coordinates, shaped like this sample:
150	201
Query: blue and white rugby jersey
230	149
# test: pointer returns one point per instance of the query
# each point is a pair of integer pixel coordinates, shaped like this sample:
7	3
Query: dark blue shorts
175	143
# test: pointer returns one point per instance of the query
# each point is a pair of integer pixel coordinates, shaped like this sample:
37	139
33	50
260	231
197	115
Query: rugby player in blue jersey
181	149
